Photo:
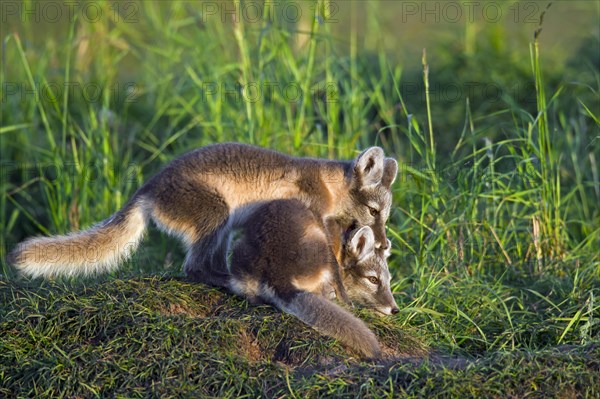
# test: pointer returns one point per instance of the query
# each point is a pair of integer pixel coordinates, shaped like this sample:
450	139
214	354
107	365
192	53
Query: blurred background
498	162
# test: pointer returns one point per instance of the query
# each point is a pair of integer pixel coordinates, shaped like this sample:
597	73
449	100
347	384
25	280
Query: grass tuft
495	223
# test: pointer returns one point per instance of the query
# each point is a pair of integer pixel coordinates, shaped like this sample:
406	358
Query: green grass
166	337
495	224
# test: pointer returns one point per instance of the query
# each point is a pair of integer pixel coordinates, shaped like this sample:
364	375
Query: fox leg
332	320
197	214
206	261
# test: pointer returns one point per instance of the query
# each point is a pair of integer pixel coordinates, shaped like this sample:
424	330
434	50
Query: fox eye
373	280
373	211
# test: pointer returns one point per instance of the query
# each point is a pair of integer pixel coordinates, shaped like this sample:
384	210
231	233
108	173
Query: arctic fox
284	257
199	195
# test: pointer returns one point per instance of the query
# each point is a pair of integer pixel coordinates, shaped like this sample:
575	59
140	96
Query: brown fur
279	245
198	196
284	257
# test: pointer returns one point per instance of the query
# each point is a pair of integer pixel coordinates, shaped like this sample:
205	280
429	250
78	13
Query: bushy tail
97	249
330	319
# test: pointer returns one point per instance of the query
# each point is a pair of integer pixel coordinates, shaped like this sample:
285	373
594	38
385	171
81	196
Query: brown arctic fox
199	195
284	258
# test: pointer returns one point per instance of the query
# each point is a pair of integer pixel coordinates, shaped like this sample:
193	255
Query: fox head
365	273
370	196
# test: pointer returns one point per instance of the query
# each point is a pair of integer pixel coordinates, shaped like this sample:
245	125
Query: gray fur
284	257
330	319
194	197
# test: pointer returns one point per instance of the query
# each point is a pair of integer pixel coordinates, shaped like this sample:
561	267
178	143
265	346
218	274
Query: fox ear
368	167
390	170
362	243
